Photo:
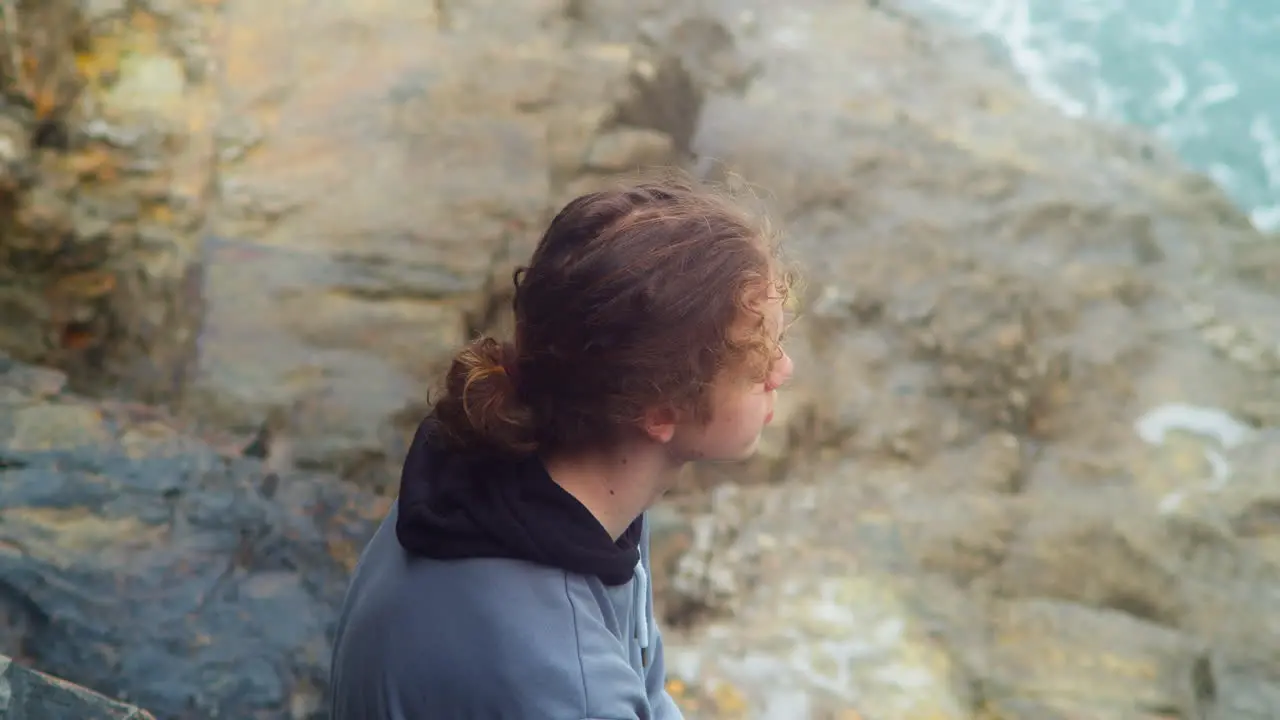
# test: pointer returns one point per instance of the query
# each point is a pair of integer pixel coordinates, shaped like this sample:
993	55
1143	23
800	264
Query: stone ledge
27	694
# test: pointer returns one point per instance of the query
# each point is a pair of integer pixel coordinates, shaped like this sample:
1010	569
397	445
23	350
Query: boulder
106	173
148	564
27	694
1059	660
804	614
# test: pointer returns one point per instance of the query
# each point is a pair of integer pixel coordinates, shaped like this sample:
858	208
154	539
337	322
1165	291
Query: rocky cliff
1030	436
1026	470
106	172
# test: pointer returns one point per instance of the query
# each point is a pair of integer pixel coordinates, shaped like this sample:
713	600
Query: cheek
745	416
737	414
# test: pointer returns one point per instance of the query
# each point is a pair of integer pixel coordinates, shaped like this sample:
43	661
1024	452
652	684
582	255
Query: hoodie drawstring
641	603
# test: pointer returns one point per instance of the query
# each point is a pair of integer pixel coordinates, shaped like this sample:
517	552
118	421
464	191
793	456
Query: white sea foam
1204	75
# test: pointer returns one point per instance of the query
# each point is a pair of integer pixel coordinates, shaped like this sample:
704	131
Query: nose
780	373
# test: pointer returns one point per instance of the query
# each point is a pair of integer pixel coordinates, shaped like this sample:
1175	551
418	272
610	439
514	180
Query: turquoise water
1204	75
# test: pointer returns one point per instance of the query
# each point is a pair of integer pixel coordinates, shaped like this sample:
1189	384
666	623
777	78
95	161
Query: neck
616	487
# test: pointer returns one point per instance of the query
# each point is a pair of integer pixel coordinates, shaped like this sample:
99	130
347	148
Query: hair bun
481	403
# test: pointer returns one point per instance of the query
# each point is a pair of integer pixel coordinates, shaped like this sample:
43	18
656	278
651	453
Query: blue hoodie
490	593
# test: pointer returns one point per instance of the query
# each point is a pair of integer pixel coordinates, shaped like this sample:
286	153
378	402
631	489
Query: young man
510	580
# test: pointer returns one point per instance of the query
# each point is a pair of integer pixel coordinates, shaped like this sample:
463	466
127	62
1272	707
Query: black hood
455	505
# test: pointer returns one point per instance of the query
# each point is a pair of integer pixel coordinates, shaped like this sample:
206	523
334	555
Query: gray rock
144	563
27	694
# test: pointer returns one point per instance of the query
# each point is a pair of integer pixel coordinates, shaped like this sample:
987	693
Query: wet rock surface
27	694
151	566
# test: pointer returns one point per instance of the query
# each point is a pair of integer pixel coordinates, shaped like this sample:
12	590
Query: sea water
1203	75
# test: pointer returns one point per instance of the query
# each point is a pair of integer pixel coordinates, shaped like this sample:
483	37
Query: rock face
151	566
1035	396
106	170
378	188
26	694
1026	470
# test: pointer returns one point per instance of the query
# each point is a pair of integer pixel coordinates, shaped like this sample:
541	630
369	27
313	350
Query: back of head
629	301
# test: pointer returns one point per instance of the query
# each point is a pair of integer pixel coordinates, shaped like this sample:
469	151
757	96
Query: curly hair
634	297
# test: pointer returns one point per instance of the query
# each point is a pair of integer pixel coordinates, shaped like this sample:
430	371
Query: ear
660	424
